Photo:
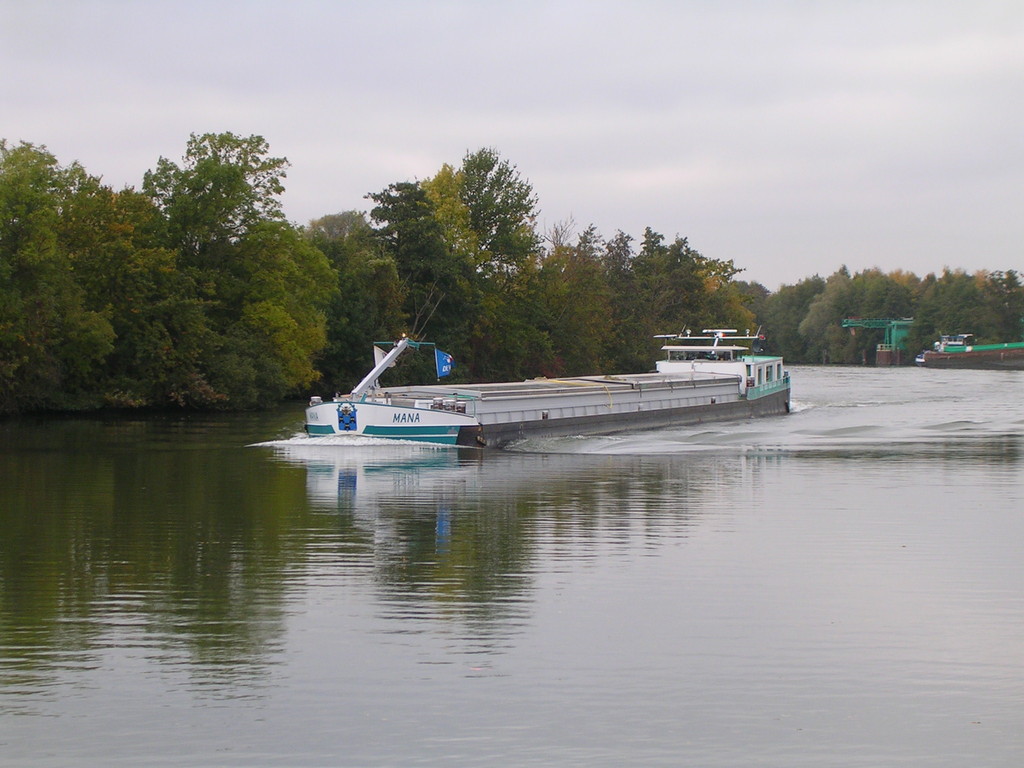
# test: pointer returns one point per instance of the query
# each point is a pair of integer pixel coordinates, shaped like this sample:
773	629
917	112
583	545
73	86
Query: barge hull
1000	360
501	434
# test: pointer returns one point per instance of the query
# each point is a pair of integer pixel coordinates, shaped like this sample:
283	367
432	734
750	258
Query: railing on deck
768	387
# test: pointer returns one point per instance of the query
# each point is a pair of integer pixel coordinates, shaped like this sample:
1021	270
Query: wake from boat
343	442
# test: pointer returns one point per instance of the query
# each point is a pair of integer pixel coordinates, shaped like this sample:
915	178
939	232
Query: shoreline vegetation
195	292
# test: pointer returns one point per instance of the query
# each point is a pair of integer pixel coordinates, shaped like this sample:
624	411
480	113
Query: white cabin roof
703	348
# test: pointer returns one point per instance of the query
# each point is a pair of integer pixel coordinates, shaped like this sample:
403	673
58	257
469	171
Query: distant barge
957	351
695	382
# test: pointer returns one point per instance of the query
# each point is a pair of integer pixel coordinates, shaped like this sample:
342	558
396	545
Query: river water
843	586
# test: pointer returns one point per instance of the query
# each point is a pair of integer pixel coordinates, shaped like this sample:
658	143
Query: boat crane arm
385	362
378	369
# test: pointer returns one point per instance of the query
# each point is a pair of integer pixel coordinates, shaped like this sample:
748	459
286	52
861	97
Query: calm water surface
840	587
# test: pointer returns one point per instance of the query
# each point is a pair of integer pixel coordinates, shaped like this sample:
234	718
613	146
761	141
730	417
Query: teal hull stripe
319	429
371	429
430	434
442	439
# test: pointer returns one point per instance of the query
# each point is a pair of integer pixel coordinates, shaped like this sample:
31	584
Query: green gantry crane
889	352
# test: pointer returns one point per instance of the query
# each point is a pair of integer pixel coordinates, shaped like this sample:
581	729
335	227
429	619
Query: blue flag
444	363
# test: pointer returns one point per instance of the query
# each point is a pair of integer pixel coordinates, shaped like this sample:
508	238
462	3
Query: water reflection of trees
159	536
167	539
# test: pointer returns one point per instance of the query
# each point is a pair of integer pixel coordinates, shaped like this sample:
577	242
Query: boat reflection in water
463	535
372	474
382	484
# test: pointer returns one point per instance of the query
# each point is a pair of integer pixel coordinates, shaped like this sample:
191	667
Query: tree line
195	291
805	319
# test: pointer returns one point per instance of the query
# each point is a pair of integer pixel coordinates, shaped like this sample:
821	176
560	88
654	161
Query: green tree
953	302
502	211
486	212
445	192
51	344
1004	307
225	185
755	297
262	286
784	311
627	311
434	281
160	326
578	301
822	328
867	294
277	323
680	288
885	295
367	305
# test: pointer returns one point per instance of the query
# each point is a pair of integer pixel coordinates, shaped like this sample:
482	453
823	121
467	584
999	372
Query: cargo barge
958	351
700	379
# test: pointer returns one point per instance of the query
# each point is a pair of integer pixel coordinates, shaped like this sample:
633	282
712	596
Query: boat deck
548	387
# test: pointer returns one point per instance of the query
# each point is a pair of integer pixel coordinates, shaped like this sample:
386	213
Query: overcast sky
790	137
